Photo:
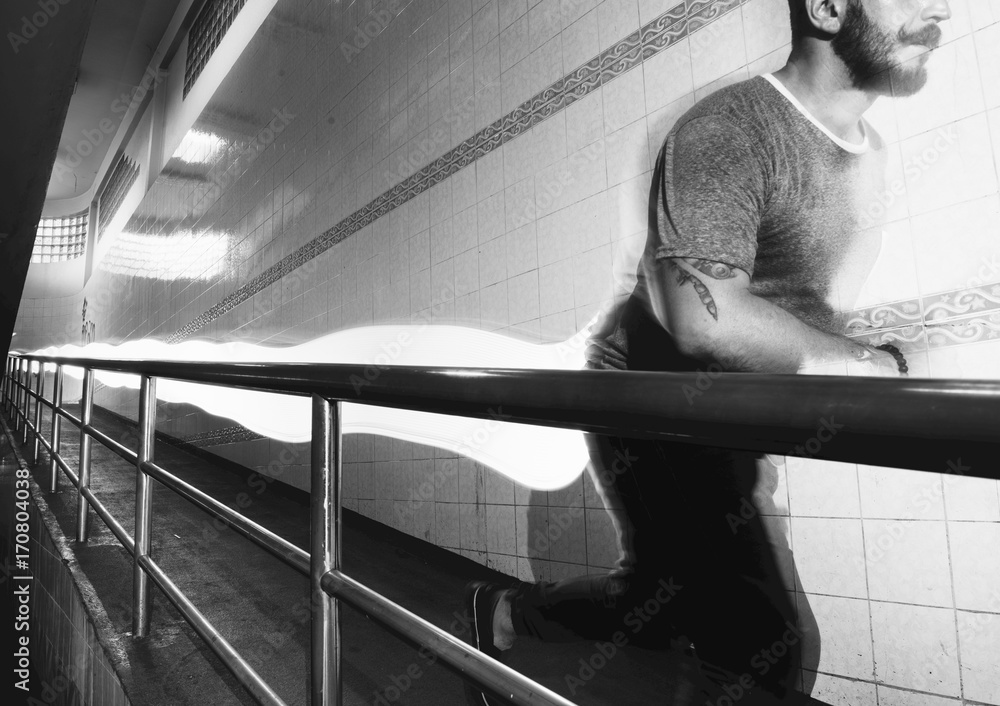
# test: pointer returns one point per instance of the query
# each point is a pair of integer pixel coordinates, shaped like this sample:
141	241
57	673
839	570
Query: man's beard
867	52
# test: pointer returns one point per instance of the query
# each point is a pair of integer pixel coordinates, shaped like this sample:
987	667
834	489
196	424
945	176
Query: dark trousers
695	561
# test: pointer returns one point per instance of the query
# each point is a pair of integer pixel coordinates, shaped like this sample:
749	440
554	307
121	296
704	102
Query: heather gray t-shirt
747	177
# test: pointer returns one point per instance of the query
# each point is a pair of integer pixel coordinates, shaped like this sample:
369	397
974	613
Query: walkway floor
261	606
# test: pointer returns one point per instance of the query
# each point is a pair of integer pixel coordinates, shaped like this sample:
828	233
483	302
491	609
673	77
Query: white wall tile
955	263
949	165
915	647
822	488
763	32
887	696
968	498
829	556
976	568
842	692
890	493
979	636
907	562
718	49
845	630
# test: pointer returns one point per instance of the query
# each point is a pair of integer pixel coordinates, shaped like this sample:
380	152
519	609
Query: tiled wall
487	163
71	662
45	322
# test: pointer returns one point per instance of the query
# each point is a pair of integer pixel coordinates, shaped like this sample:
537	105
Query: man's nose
937	10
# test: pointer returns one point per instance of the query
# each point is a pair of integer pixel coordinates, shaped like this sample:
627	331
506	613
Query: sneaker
480	600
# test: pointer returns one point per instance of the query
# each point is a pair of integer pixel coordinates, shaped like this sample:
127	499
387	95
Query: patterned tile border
888	315
973	329
218	437
949	305
649	40
908	338
951	318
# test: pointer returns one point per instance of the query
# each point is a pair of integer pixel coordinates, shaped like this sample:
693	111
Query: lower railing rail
939	420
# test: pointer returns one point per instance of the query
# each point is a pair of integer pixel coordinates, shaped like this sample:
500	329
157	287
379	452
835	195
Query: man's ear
827	16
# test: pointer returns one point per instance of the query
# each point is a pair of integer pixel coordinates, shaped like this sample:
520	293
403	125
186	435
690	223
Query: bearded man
754	209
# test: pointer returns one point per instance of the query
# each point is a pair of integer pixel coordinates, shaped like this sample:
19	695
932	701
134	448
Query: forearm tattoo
715	270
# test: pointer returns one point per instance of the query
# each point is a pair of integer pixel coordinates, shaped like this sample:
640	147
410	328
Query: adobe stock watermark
914	169
436	139
635	620
30	25
370	28
553	188
403	682
93	137
762	662
825	432
425	492
877	548
222	180
262	302
947	657
259	482
390	351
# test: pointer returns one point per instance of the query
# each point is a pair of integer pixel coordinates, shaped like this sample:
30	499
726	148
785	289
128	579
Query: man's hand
708	309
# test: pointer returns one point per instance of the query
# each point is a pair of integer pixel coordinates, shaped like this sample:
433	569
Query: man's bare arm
709	310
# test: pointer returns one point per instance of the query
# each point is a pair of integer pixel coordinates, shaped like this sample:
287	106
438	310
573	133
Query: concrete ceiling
40	60
62	67
123	37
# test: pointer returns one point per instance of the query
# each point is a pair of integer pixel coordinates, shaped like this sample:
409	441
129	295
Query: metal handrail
899	422
940	425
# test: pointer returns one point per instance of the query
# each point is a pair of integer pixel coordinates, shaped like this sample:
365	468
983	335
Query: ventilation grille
122	178
205	34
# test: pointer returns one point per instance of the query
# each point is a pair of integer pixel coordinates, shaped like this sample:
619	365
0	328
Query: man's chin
907	81
898	82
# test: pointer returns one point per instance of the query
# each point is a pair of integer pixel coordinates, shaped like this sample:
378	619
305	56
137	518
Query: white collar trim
852	147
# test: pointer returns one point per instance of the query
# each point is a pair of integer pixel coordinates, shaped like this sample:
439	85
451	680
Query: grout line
951	575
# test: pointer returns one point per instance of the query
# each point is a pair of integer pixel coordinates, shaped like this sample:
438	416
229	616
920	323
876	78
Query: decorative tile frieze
218	437
974	329
884	316
705	12
630	52
952	318
909	338
947	305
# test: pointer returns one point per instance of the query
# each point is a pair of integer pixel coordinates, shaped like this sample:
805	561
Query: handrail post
40	391
7	372
325	526
86	407
5	384
143	507
11	366
27	400
19	414
56	426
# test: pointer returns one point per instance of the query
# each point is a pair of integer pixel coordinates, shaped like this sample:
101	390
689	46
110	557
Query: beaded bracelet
895	353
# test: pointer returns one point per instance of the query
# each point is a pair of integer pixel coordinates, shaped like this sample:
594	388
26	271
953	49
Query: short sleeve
711	191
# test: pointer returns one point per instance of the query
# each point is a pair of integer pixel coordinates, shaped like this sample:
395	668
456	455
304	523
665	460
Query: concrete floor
260	605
